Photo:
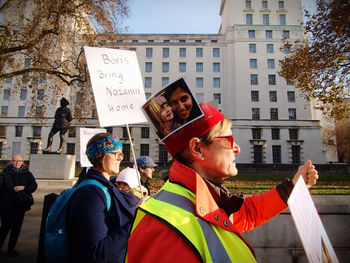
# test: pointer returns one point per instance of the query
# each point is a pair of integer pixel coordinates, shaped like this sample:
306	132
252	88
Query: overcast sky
178	16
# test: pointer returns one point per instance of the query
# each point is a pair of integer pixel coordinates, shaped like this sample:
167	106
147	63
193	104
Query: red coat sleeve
257	209
154	241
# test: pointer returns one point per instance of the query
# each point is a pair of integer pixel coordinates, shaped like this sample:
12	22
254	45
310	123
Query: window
126	152
291	96
255	113
149	52
252	48
199	67
23	94
273	96
199	52
199	82
274	114
3	131
199	97
94	113
166	41
280	4
214	41
275	134
253	63
27	62
249	19
182	41
272	79
4	111
254	79
248	4
165	67
216	82
251	33
6	95
144	132
39	112
276	153
216	52
25	78
148	67
125	132
165	81
292	113
271	63
34	147
40	94
42	78
293	134
282	20
148	95
198	41
254	94
290	82
8	80
217	96
150	41
216	67
108	129
182	66
256	133
70	148
36	131
19	131
266	19
269	48
72	131
264	4
285	34
268	34
148	82
163	154
258	154
286	50
21	111
296	154
166	52
182	52
144	149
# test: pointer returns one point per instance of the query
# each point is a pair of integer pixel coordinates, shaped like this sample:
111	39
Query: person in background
146	167
189	218
17	184
96	233
127	181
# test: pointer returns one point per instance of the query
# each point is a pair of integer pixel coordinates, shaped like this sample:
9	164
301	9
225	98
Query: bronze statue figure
63	117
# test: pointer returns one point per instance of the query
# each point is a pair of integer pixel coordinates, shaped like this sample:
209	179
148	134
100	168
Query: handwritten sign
309	226
85	135
117	85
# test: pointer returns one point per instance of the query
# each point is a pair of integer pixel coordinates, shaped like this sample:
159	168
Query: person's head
165	111
64	102
104	151
206	145
17	161
181	102
146	166
127	179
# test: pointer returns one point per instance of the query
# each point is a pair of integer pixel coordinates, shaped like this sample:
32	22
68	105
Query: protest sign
309	226
117	85
85	135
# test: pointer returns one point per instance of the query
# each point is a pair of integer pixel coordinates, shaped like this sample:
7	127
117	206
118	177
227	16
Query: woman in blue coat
96	233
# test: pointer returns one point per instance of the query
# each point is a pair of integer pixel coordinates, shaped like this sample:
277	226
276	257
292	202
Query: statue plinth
52	166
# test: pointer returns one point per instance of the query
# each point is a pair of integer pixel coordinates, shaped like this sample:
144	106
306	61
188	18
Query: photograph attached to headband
172	108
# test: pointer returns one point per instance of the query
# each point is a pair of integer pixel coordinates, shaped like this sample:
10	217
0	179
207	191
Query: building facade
237	68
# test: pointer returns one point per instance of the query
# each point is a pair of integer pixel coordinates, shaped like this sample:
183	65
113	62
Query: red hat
178	141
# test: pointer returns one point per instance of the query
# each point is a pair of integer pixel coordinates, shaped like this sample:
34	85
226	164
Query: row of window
268	34
264	4
199	82
40	94
271	79
269	49
276	154
292	113
182	52
254	94
275	134
182	67
167	41
253	63
266	19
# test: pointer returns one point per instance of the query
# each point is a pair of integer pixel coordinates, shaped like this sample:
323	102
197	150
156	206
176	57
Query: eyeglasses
228	137
17	161
117	155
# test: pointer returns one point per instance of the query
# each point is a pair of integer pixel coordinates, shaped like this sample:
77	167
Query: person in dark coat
96	234
17	184
63	117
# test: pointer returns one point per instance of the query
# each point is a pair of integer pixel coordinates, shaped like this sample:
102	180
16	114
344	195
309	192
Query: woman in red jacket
188	219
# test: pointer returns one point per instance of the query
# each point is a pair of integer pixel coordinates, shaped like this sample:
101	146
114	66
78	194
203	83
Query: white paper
309	226
85	135
117	85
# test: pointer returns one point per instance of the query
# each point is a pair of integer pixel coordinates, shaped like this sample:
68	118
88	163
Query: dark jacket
95	234
11	201
63	117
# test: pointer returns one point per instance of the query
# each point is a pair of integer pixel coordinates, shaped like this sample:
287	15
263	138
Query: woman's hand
144	199
308	172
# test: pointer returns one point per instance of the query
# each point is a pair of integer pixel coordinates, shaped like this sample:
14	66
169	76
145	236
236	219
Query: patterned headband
102	146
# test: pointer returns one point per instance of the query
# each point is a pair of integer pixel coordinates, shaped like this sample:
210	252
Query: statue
63	117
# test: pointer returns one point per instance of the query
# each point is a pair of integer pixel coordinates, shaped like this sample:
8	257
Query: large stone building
272	122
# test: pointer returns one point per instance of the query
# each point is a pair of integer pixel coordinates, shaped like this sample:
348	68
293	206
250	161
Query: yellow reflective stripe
139	216
178	189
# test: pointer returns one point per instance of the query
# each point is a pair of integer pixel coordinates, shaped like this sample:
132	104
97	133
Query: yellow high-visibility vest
176	206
